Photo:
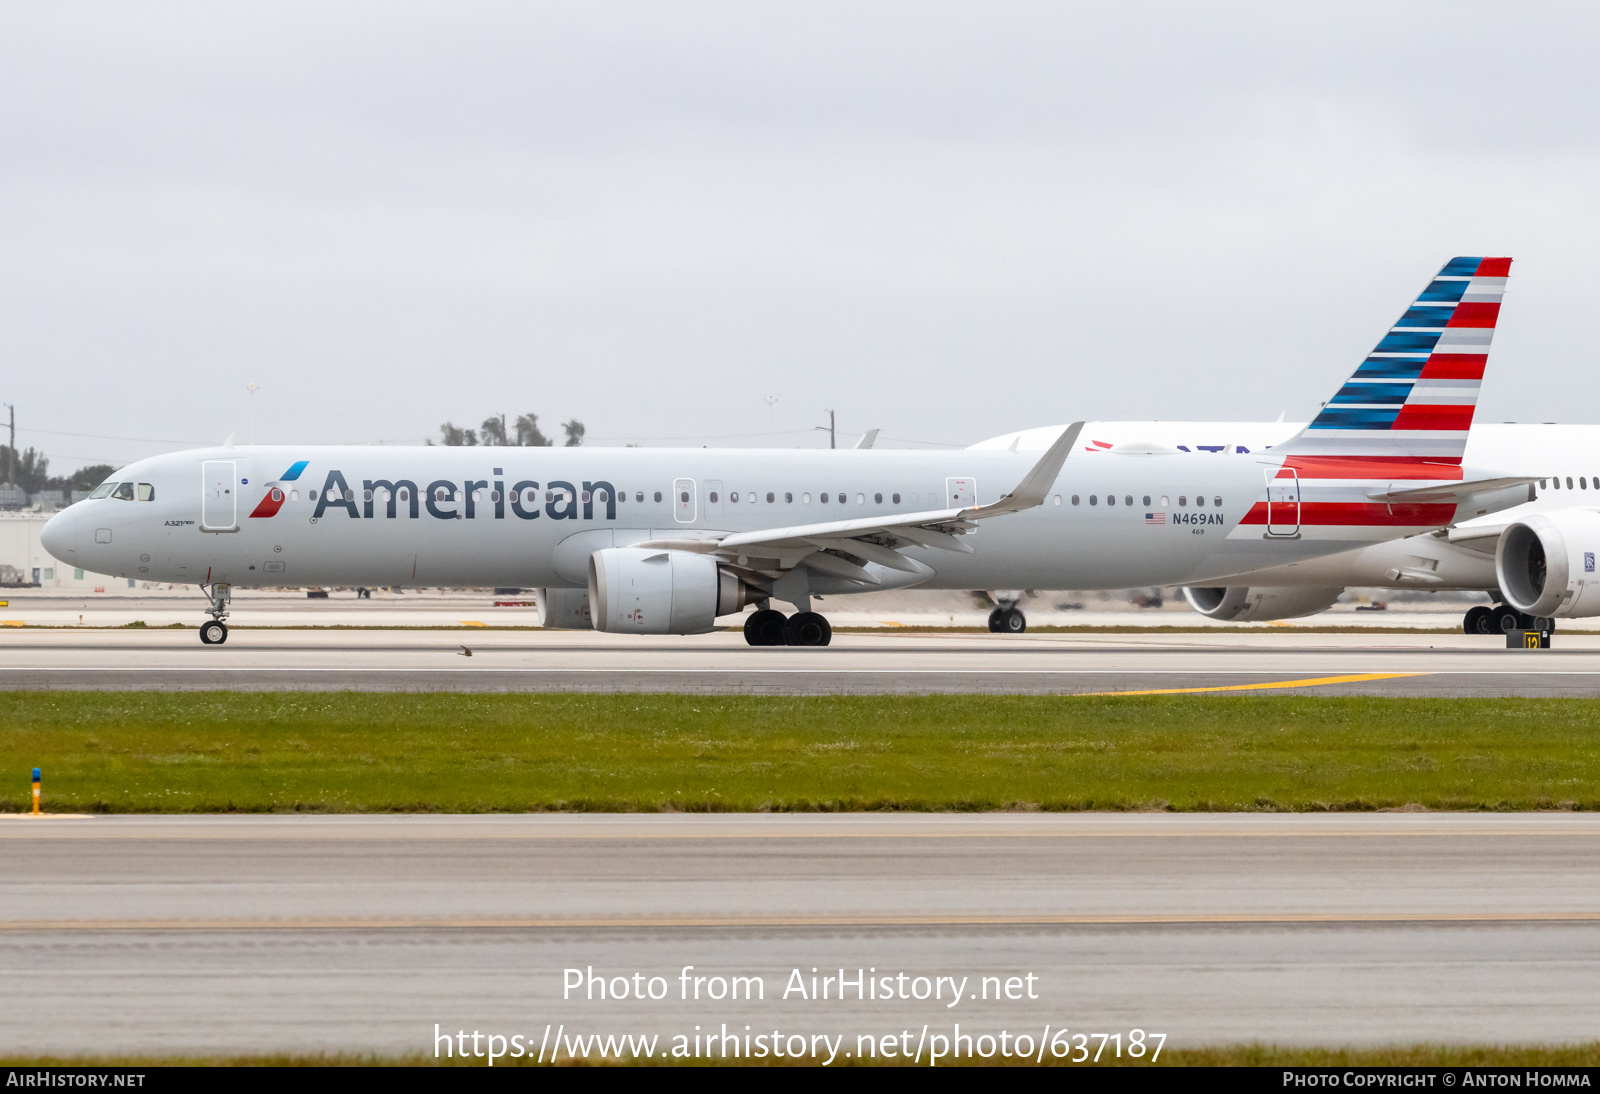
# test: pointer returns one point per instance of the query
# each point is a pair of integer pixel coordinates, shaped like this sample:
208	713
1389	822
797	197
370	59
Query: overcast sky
944	220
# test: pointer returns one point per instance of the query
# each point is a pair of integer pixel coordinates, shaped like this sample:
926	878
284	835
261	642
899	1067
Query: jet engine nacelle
641	590
1545	564
1254	604
563	609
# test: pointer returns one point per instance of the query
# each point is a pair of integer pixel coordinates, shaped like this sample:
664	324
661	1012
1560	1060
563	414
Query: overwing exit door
219	496
683	500
960	493
1283	502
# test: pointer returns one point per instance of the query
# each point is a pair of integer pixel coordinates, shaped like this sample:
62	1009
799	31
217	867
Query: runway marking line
323	923
1316	681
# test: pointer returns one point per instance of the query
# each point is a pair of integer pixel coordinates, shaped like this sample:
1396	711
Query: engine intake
640	590
1254	604
1545	564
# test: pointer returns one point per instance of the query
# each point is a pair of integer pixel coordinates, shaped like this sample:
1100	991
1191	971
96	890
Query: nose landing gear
215	633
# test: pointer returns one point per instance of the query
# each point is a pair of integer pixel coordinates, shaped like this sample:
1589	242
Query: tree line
30	470
524	433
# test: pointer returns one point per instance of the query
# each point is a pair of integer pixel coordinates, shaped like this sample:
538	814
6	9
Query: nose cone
60	535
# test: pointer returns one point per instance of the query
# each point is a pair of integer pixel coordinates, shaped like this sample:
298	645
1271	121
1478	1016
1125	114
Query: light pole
829	429
252	387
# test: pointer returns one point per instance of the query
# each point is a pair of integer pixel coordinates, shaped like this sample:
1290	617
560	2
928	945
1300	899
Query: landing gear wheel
807	629
1505	619
213	633
765	628
1477	620
1012	621
1542	623
994	620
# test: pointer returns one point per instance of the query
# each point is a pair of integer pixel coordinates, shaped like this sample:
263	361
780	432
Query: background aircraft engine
1251	604
1546	564
641	590
563	609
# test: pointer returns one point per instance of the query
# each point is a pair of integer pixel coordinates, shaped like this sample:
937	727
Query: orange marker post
36	791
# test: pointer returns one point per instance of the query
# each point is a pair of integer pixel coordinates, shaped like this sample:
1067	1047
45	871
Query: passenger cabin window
1217	502
1198	500
789	498
1163	501
146	492
658	495
896	498
1094	499
1146	500
1074	499
1111	499
103	490
1569	482
1182	500
123	492
1058	499
713	497
1128	500
824	499
878	498
805	499
771	497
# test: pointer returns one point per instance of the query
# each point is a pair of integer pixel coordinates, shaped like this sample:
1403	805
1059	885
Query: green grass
340	751
1584	1054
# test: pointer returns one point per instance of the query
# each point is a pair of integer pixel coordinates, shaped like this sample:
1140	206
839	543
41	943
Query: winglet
867	438
1035	485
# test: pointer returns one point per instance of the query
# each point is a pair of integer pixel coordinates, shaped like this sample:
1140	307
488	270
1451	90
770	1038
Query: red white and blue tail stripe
1414	395
1400	421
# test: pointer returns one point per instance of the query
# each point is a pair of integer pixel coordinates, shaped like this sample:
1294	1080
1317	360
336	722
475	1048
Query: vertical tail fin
1412	399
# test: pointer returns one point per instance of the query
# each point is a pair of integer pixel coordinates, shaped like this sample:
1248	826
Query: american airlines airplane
1535	560
665	541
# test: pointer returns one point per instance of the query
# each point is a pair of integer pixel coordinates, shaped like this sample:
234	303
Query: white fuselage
1108	539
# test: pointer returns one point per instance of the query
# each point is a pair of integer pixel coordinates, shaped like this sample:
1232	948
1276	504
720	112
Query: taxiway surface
884	662
359	933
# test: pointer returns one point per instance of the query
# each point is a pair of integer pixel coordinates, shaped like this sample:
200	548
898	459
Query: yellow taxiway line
1313	682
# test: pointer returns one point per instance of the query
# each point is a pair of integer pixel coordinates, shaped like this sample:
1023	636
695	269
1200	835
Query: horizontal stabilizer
1449	491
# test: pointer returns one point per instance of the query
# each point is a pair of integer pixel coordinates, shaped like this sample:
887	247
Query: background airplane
1550	539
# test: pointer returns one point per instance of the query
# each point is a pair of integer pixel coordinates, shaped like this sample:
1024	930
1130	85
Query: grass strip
1583	1054
202	752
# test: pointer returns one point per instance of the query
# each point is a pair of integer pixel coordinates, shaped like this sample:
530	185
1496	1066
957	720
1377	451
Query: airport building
24	561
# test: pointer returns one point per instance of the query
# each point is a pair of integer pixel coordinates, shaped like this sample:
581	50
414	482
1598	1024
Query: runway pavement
237	934
885	662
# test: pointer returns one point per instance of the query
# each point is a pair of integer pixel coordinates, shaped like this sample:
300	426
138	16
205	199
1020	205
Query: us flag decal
1155	518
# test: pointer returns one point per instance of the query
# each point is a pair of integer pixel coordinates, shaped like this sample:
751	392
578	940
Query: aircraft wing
843	547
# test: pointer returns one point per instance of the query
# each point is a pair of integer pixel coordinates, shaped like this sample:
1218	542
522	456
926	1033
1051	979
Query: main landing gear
1503	619
1007	621
769	627
215	632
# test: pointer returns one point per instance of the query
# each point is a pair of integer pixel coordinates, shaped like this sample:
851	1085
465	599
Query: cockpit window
123	492
146	492
103	490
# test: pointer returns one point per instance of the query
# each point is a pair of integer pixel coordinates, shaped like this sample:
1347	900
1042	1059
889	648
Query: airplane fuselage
531	517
